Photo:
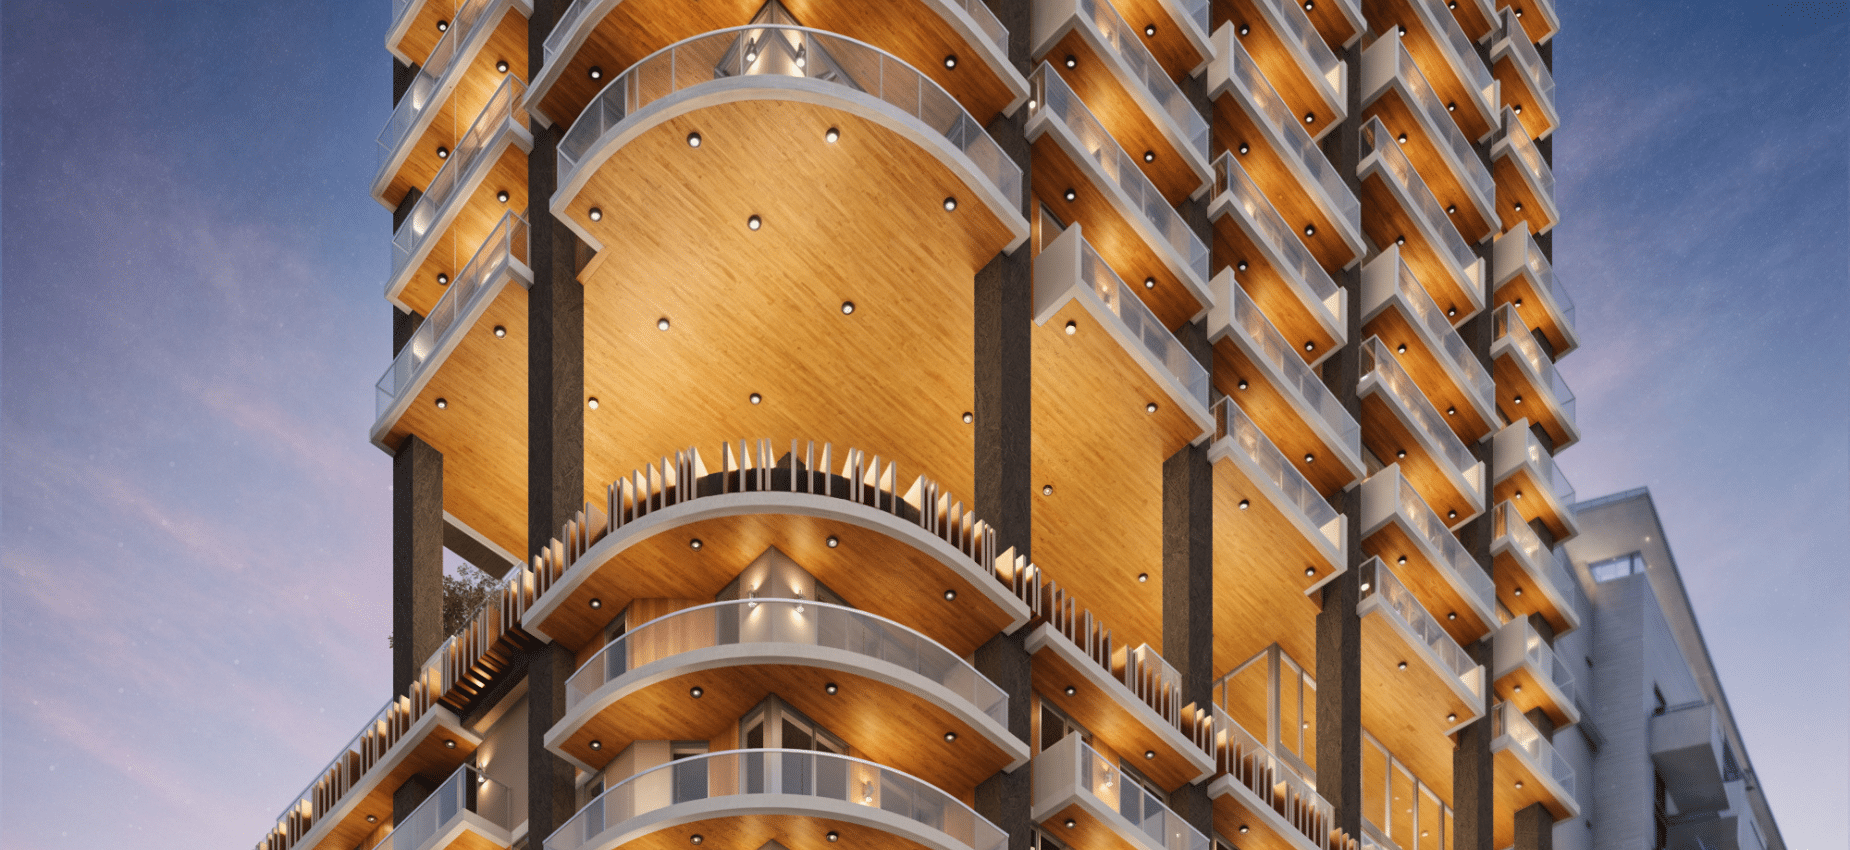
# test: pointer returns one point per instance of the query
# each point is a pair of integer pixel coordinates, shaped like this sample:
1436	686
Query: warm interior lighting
1149	283
443	26
1451	209
696	838
1070	194
1149	156
1244	29
1244	148
831	689
1310	117
1072	61
1149	754
595	214
1143	578
1310	230
1401	349
500	332
847	308
1070	690
1310	458
1241	265
443	279
754	222
597	745
833	836
950	736
757	399
969	417
1402	665
1310	571
832	136
1242	383
443	404
1310	345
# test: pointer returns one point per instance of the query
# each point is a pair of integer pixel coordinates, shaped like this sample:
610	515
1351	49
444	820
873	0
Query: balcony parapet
1515	153
1388	67
1388	281
1542	570
1388	499
1513	733
1383	591
1521	657
1273	791
1236	435
466	803
1235	196
1444	260
1513	44
1070	775
1556	406
1443	451
1521	267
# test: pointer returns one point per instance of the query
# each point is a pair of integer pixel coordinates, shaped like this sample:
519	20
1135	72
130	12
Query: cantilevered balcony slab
1525	182
1340	22
1531	578
483	179
1399	528
451	87
1528	385
1446	56
1280	156
1397	309
1277	541
1396	91
800	799
1128	697
1538	18
1528	675
1108	67
906	700
1294	58
1523	277
1526	476
1084	176
1418	685
1528	771
1074	785
1273	265
1528	86
1174	31
1402	427
1687	749
1264	374
1476	18
417	26
681	531
1403	212
469	811
959	44
460	384
1264	800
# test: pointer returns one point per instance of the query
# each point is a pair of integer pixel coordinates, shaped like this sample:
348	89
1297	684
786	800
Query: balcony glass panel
789	52
467	790
801	773
1276	782
1509	523
420	95
1230	422
1506	721
1464	57
1528	60
1298	144
1432	108
1156	339
1451	346
1046	90
1231	178
1194	10
1378	361
1427	526
1543	274
978	11
1528	156
1377	140
1549	471
1128	45
1510	325
1300	380
810	623
1301	32
508	241
1397	801
505	104
1095	775
1539	655
1378	580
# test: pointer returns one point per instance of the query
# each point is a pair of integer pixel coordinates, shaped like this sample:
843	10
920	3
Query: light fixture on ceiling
661	324
1149	283
595	73
693	140
1072	328
969	417
694	543
595	213
443	404
950	60
950	204
832	136
591	402
595	603
833	541
501	66
754	222
756	398
1245	503
501	196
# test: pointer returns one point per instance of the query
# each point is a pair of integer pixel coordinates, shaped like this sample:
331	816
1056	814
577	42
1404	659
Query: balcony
1538	19
1397	309
1395	91
1418	685
417	26
1083	176
1282	159
1338	21
1404	213
483	178
1528	674
1274	267
1265	801
1114	75
1528	771
460	384
1527	477
1526	279
1086	803
468	811
452	85
677	531
1294	58
1174	31
1687	750
1446	56
1525	183
1266	376
1476	18
1527	84
804	800
958	44
1404	429
1531	578
1277	541
1398	527
912	703
1528	385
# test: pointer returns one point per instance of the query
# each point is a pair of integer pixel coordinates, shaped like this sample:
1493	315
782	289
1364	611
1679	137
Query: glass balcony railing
1378	142
1541	657
1509	325
1379	362
467	790
1527	256
503	107
1509	523
1048	93
1379	581
1546	469
787	773
1528	157
1426	527
421	95
1123	302
1457	46
1275	782
1127	45
1299	33
1342	204
506	243
1452	348
1196	11
786	621
1438	119
1529	60
787	51
1507	722
1231	423
1300	381
1230	178
1072	764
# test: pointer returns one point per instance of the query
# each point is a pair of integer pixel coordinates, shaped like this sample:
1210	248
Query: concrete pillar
551	793
1006	798
1535	828
417	558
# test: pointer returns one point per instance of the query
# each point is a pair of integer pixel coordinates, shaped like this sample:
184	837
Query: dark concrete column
1188	570
417	558
1474	774
410	795
1535	828
1006	798
551	794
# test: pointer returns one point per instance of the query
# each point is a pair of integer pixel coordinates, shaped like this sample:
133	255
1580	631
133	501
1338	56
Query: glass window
1615	568
1374	783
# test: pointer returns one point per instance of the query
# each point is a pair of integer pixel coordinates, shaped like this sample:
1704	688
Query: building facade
968	425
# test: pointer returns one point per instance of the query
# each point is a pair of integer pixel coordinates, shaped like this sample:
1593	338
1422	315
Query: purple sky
196	533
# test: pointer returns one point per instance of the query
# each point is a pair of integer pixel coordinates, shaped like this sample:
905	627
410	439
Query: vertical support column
1006	798
1535	828
1474	773
551	793
417	558
1188	597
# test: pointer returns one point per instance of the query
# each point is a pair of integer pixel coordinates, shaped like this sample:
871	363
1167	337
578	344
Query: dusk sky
195	532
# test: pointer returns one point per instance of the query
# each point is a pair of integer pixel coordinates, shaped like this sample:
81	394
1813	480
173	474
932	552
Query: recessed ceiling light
1365	587
1310	571
1310	458
834	836
847	308
756	398
1451	209
1070	194
591	402
1451	311
1403	138
1518	689
1245	503
950	596
596	73
595	213
595	603
1149	754
693	140
1402	561
754	222
1143	578
1402	665
1072	61
950	204
443	279
1310	345
1451	615
443	26
1069	823
443	404
1519	206
1400	240
1309	5
501	66
694	543
1072	328
1402	349
833	541
1519	591
1241	265
1451	514
1452	106
1244	828
1519	302
1451	718
1150	283
1518	783
1310	117
1070	690
449	743
1149	30
950	736
597	745
1244	148
831	689
1149	156
1046	489
696	692
1517	109
501	196
950	61
696	838
1310	230
832	136
1150	408
1403	29
1242	383
1401	453
1519	399
1452	411
372	818
969	417
661	324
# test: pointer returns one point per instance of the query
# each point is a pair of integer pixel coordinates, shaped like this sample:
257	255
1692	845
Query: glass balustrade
1300	381
1529	61
1231	423
1426	526
1299	147
1380	363
1071	763
1529	157
1438	327
1230	178
1438	120
1509	326
467	790
506	243
1123	302
503	109
1508	723
1378	142
1300	33
1127	45
1457	46
1377	581
420	96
